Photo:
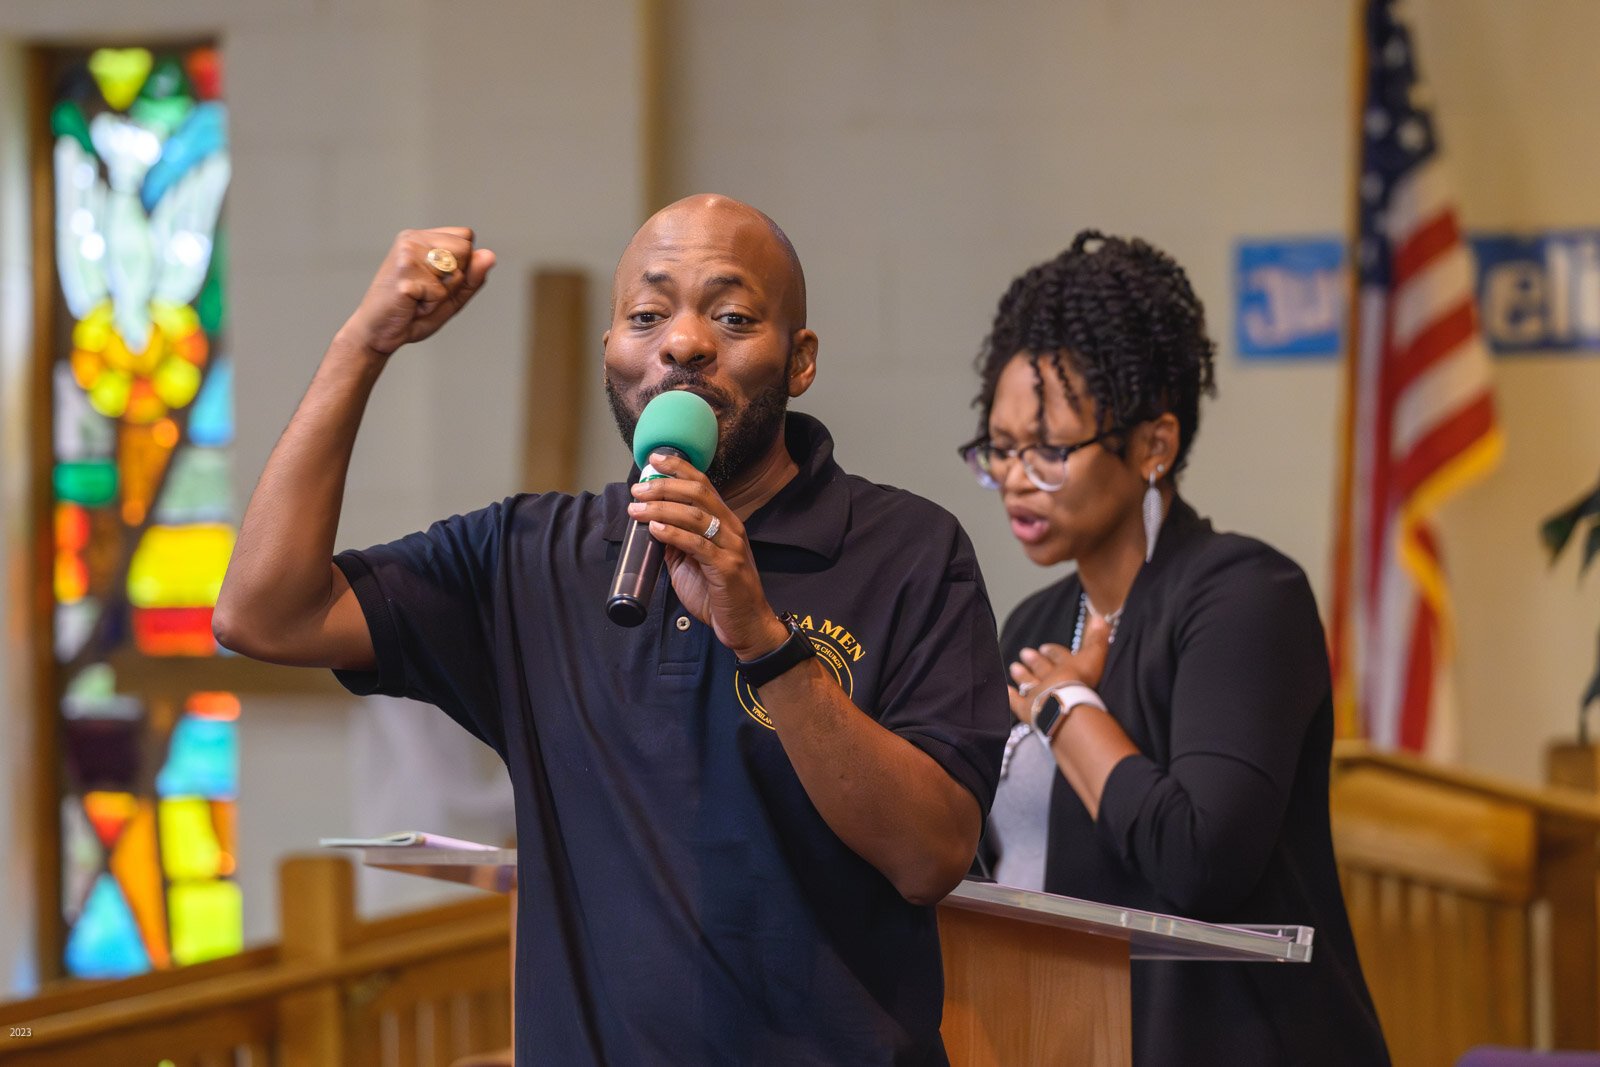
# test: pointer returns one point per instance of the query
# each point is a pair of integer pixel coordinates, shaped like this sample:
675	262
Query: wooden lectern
1029	978
1033	978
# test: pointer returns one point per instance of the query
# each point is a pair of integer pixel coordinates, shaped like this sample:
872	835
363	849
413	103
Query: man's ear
802	362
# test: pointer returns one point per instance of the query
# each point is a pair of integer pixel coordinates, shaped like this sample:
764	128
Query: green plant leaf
1558	528
1591	547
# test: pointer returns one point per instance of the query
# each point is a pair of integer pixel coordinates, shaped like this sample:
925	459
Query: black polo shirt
680	899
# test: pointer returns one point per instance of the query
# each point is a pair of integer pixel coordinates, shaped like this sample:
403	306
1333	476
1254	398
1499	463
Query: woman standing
1174	708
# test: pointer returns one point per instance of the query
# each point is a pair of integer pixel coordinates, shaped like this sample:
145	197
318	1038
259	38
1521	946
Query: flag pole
1346	709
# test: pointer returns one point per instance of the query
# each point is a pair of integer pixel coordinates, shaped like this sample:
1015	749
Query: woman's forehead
1030	377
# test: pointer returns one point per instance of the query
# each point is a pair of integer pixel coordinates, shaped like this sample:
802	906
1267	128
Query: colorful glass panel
93	695
121	72
144	452
104	753
211	418
105	941
225	817
143	417
90	482
214	705
82	858
190	850
109	814
74	623
173	631
80	431
72	528
179	566
72	577
199	487
202	760
137	869
207	920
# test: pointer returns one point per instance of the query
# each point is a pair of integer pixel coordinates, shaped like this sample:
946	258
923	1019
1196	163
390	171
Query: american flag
1420	422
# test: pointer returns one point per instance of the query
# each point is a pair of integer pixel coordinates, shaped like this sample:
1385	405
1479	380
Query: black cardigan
1219	675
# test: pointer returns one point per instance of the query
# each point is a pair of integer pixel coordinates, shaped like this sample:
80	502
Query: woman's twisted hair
1123	315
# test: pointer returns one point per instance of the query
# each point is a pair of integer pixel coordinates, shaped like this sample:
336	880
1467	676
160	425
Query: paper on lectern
406	839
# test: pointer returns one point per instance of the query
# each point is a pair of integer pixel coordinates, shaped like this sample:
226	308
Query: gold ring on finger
442	260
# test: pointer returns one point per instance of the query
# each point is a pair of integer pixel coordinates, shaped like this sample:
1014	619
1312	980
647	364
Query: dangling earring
1152	514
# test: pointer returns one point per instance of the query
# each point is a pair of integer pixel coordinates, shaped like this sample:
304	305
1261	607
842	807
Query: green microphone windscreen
680	420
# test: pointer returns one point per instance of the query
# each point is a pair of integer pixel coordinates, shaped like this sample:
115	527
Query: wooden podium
1033	978
1030	978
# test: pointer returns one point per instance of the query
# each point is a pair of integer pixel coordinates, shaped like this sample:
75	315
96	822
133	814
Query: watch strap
795	650
1067	696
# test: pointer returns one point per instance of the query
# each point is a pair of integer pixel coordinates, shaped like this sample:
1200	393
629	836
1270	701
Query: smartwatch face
1049	716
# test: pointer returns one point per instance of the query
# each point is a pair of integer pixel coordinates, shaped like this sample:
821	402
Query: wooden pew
415	990
1445	874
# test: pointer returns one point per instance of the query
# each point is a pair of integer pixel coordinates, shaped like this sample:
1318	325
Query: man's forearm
280	576
885	798
283	599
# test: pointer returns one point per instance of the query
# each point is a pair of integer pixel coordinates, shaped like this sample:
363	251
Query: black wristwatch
795	650
1050	717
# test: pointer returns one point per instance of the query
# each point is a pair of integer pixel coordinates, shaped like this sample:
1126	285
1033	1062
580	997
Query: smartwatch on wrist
795	650
1051	707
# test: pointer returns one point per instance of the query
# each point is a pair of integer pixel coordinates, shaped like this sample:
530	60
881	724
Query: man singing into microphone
734	819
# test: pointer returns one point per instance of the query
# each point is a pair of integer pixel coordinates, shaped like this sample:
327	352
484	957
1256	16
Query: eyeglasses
1045	465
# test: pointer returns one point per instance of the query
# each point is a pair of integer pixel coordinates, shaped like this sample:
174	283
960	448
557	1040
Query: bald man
734	819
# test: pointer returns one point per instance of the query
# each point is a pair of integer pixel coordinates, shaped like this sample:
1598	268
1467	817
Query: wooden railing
1469	897
417	990
1445	874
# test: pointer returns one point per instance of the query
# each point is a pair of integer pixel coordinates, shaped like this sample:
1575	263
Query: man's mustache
690	382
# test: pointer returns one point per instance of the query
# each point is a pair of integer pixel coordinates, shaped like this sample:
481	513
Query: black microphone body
638	567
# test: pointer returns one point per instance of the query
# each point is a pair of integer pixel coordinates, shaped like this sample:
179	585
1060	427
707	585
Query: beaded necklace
1084	608
1022	730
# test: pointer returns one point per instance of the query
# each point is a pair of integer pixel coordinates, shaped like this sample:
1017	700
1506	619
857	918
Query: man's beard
740	444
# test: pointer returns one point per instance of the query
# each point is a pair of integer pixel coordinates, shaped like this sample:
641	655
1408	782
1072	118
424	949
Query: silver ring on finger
1024	688
442	260
711	529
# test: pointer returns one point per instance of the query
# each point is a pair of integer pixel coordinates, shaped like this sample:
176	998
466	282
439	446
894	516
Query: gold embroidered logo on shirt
836	647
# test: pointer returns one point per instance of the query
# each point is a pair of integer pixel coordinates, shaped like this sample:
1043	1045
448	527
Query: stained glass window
142	420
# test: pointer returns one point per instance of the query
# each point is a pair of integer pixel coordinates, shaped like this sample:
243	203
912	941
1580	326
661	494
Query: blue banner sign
1291	298
1537	293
